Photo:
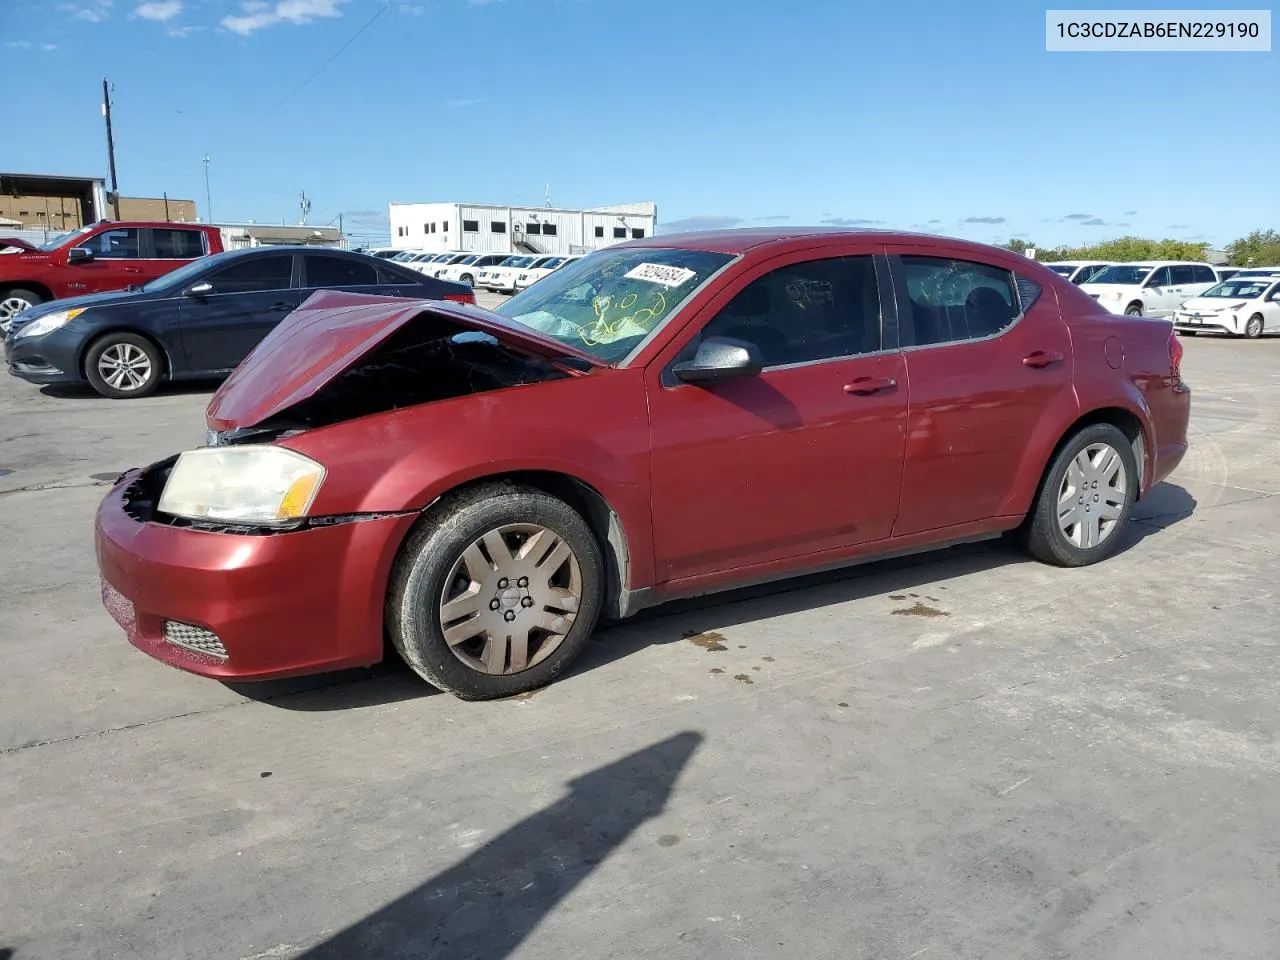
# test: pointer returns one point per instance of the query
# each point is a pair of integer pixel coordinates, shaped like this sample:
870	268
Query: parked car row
200	320
1244	306
495	272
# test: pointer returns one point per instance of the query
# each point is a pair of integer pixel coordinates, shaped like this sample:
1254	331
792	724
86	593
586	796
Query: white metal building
489	228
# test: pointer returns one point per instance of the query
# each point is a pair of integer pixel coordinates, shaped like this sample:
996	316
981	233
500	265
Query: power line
340	51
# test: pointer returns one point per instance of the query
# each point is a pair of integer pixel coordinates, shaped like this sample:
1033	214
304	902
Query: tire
1187	333
435	564
468	279
14	300
143	360
1044	538
1253	327
1133	310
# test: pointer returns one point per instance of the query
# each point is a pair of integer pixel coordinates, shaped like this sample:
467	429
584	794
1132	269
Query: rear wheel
123	366
1253	327
467	279
1187	333
1133	310
497	593
1085	499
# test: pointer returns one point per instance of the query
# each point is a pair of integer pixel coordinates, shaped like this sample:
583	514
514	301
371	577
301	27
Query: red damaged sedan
663	418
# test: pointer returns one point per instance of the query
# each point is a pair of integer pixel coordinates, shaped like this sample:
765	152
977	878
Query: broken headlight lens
256	484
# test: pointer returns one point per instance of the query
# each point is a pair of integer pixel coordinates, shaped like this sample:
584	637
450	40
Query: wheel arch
1123	419
32	285
137	332
603	520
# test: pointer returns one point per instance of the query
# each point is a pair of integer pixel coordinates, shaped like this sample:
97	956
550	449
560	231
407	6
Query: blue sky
947	117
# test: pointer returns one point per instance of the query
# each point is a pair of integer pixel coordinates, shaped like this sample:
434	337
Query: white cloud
19	44
48	47
94	11
159	11
181	33
255	15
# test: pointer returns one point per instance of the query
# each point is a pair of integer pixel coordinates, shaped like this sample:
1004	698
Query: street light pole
208	203
111	147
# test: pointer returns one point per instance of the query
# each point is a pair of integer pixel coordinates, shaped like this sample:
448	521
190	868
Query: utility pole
111	147
208	203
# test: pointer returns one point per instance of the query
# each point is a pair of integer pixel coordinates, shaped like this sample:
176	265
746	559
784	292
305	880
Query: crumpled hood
330	332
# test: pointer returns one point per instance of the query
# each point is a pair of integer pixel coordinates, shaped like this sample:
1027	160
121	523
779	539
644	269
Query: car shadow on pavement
82	391
391	681
487	904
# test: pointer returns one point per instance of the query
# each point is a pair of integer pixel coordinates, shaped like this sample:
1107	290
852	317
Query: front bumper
1210	323
240	605
52	358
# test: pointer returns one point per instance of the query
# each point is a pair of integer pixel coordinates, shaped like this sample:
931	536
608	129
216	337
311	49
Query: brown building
64	213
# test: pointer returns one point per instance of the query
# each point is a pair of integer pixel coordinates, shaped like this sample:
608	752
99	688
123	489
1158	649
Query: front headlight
48	323
253	484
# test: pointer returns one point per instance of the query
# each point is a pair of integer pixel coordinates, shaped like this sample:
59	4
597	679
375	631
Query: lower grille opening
196	639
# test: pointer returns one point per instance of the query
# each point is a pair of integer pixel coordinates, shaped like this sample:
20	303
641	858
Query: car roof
740	240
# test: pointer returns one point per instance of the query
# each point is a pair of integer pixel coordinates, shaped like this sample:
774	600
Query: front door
986	357
249	298
802	458
1159	295
116	263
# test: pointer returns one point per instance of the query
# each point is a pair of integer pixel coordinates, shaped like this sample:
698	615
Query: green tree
1260	248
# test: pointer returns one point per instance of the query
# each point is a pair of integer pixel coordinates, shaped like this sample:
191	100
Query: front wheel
13	302
468	279
1253	327
1085	499
1133	310
497	592
122	366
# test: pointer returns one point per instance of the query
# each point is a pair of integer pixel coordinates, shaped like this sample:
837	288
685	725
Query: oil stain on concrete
920	610
710	641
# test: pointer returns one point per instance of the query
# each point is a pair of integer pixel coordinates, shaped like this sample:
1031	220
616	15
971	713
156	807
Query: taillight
468	297
1175	357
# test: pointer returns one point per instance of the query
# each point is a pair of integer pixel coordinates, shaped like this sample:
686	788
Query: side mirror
720	358
1153	282
79	255
198	290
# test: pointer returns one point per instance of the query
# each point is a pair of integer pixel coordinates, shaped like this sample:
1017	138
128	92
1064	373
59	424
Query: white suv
1153	289
1078	271
465	269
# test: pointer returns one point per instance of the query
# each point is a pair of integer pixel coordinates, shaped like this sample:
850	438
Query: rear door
802	458
170	247
248	299
986	356
1271	310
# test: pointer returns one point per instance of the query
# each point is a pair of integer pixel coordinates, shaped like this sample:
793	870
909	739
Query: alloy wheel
1092	496
10	307
125	366
510	599
1254	327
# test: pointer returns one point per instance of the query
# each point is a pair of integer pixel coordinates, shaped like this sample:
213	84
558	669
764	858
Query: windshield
62	238
1238	289
467	260
1126	273
549	264
608	302
1061	269
517	261
404	257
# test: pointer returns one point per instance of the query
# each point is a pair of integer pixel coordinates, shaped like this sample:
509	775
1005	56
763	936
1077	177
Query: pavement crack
34	744
56	485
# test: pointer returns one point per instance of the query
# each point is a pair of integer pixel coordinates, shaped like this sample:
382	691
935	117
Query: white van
1078	271
1155	288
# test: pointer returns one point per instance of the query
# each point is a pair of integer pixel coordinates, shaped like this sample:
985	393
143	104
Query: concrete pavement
960	755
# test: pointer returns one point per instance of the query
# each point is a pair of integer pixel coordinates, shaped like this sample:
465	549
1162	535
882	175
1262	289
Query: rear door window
1182	275
952	300
176	243
338	272
1204	275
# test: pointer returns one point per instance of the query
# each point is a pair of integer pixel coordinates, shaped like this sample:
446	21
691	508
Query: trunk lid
330	332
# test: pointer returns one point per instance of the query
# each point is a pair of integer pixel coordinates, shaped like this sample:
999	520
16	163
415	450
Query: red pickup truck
108	255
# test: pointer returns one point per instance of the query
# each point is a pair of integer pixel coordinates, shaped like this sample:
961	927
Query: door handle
132	269
1041	359
865	386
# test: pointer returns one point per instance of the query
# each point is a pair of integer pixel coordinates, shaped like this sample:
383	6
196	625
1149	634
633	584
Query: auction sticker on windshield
660	273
